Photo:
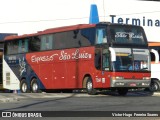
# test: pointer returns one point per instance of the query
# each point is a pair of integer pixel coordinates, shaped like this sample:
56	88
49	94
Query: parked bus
155	65
2	36
1	55
86	56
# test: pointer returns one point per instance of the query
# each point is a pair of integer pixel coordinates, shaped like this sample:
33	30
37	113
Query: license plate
132	84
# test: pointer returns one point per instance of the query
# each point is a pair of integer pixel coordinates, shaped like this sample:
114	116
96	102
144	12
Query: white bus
155	65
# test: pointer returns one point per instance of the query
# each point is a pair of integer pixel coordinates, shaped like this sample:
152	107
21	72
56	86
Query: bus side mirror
113	54
156	55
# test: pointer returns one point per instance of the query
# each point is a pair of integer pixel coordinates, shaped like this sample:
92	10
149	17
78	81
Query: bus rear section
155	65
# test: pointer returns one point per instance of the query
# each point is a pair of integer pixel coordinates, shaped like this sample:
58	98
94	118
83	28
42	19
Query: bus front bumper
130	83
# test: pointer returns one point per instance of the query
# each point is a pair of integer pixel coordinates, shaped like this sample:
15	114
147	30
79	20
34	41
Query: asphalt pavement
11	97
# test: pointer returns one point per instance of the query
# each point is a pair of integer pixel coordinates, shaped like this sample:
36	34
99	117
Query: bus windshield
127	35
131	60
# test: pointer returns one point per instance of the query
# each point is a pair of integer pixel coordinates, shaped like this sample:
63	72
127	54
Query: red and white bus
86	56
155	65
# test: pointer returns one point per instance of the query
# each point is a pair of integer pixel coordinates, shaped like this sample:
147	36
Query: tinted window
46	42
87	37
34	44
12	47
98	59
23	46
62	40
65	40
127	35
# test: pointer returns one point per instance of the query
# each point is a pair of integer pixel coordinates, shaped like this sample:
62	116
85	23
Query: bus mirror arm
156	55
113	54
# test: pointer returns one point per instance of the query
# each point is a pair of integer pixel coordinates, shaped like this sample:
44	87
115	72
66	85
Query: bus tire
122	91
89	87
24	86
34	86
154	86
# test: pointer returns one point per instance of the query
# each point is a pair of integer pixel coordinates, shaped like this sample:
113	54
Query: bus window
46	42
105	59
59	41
70	39
23	46
65	40
127	35
98	59
34	44
12	47
152	56
101	36
87	37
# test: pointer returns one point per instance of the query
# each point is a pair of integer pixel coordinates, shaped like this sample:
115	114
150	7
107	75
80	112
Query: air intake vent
8	78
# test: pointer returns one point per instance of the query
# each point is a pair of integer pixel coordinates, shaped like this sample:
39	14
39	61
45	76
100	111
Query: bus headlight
145	84
118	78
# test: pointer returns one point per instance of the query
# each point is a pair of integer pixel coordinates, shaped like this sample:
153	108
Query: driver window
105	59
98	59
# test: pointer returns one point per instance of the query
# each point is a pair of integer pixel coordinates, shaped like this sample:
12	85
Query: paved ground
10	97
17	100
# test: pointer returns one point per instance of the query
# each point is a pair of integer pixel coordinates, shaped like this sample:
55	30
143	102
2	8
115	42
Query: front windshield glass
123	59
141	59
126	60
127	35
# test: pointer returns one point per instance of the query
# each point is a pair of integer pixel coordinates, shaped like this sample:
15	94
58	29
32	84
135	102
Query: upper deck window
101	36
12	47
46	42
34	44
127	35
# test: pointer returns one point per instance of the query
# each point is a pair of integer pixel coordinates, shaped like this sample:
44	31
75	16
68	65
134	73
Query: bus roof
154	43
60	29
52	30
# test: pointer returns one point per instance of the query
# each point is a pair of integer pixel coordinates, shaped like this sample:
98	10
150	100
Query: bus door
102	66
98	66
105	68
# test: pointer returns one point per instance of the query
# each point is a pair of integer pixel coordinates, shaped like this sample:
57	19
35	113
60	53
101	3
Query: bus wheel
154	86
23	86
89	87
34	86
122	91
